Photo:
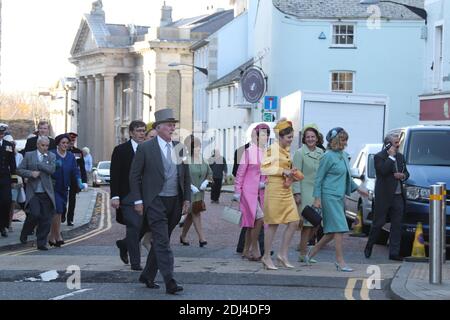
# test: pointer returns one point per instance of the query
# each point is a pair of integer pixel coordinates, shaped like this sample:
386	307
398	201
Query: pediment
84	40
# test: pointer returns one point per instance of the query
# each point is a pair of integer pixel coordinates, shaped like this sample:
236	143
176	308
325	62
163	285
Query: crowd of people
158	183
43	179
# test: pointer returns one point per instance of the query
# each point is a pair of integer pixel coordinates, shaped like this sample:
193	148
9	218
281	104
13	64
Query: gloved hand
194	189
236	197
262	185
80	184
204	185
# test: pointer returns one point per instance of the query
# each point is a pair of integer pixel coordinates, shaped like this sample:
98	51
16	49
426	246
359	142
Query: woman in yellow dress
279	203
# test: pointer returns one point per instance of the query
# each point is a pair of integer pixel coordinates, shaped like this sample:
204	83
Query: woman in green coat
333	182
201	175
307	160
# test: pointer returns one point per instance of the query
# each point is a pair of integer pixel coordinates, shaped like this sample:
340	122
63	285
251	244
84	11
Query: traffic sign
269	116
270	102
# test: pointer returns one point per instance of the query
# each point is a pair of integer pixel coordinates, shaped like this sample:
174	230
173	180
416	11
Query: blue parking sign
270	102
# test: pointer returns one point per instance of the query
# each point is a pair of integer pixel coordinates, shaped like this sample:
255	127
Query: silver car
101	173
363	174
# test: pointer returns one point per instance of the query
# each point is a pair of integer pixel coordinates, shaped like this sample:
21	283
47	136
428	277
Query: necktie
168	153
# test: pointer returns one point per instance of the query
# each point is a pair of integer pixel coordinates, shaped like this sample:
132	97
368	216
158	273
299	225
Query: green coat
332	181
308	163
199	173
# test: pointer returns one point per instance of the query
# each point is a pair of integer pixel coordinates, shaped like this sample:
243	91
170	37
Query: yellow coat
279	203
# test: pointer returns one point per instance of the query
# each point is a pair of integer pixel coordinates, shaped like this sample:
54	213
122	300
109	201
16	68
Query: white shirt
1	142
40	155
134	144
163	145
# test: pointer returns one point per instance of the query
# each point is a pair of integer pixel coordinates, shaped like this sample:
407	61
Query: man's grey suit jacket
147	173
46	168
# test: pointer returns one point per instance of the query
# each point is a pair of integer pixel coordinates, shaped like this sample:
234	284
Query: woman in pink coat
249	190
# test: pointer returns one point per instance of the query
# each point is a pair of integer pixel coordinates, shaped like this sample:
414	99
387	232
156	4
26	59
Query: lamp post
131	90
419	11
202	70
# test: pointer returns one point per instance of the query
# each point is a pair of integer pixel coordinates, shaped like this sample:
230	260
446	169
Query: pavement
83	213
219	264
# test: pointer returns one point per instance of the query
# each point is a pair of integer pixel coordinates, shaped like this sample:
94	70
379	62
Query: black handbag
313	215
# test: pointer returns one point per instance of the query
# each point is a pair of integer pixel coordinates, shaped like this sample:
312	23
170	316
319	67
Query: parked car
363	174
427	153
101	173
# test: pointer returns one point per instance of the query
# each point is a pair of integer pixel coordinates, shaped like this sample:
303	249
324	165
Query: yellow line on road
100	229
365	290
351	282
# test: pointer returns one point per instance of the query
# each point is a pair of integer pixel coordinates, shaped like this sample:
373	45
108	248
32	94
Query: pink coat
248	178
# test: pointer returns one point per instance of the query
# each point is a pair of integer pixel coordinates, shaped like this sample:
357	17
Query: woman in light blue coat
333	182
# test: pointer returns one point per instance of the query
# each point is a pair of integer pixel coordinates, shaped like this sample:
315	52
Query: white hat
3	126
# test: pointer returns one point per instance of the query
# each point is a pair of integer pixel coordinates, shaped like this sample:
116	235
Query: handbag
313	215
231	215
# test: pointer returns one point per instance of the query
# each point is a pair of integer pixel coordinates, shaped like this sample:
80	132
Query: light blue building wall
232	43
386	61
438	16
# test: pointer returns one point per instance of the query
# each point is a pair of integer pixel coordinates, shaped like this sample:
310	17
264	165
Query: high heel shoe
266	266
51	244
184	243
202	243
284	263
344	268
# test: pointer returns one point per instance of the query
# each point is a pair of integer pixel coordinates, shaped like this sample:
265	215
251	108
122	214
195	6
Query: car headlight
417	193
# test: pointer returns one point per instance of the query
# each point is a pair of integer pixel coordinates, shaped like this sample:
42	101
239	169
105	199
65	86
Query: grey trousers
162	216
133	221
41	212
395	212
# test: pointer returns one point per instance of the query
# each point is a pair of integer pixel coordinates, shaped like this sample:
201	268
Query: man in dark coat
43	131
7	168
391	172
74	188
121	160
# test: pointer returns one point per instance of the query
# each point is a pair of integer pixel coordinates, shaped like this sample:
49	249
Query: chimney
166	15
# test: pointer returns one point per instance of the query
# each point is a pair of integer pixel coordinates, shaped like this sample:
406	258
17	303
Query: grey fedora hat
164	115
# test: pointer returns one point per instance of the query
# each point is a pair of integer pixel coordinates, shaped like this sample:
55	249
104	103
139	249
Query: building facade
435	100
123	73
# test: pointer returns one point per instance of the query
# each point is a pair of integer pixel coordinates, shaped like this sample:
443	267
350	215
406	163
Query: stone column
133	97
98	118
90	123
82	116
142	111
161	90
186	101
109	137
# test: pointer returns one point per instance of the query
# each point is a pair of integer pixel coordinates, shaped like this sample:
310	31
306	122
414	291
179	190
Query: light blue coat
329	180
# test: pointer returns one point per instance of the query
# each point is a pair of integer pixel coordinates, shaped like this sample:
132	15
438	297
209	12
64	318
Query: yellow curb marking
90	234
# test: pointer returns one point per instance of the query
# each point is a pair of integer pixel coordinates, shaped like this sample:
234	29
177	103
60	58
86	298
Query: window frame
340	45
353	73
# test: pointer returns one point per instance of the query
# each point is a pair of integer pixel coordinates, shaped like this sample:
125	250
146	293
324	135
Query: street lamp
202	70
131	90
419	11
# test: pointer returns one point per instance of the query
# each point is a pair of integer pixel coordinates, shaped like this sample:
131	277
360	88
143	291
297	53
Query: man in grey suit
37	167
160	188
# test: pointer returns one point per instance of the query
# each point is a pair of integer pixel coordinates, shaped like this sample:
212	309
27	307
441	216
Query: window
343	35
218	98
438	58
342	81
230	94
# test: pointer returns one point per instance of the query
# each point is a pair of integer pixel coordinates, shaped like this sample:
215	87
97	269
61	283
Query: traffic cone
418	248
358	226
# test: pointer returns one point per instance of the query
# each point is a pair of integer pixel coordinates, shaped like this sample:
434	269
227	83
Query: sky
37	35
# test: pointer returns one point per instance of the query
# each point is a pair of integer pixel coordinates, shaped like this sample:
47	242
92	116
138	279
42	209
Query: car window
358	160
104	165
371	166
429	148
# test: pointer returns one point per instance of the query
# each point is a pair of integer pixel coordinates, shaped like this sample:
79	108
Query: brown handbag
198	206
